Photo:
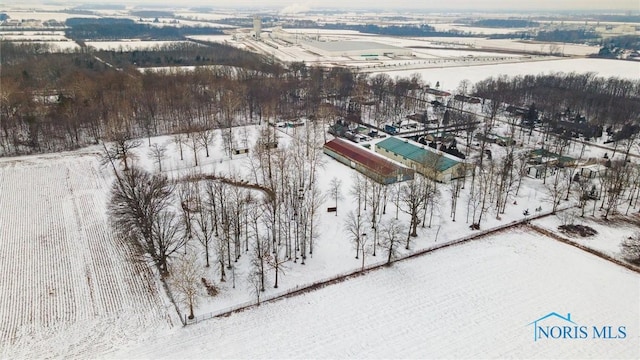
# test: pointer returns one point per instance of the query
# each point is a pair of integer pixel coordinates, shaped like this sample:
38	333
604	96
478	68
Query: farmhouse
429	162
367	162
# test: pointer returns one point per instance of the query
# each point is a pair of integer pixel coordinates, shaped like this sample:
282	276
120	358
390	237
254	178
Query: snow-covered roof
350	45
418	154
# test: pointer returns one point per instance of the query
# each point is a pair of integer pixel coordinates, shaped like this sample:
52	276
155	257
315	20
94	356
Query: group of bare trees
270	218
290	214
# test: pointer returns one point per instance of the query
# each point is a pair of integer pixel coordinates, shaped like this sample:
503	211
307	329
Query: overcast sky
633	5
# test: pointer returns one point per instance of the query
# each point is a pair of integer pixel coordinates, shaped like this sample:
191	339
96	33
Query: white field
43	16
204	16
68	284
43	35
517	45
131	44
476	30
468	301
212	38
450	77
56	46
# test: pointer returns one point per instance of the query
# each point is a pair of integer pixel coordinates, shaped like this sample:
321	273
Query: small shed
592	171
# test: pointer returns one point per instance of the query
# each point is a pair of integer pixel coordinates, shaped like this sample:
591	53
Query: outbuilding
367	162
429	162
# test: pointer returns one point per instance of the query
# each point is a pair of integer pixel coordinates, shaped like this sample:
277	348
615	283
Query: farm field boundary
337	278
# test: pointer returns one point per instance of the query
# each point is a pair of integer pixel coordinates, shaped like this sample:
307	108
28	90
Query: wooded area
52	102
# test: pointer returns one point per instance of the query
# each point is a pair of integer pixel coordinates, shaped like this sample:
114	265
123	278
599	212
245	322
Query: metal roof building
354	48
367	162
425	160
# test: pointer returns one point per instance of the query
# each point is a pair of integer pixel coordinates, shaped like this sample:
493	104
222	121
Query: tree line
53	102
84	29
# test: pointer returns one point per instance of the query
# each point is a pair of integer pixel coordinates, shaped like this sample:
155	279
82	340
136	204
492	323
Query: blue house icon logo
566	330
556	326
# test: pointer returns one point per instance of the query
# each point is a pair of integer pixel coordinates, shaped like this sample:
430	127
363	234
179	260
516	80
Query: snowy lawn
469	301
610	233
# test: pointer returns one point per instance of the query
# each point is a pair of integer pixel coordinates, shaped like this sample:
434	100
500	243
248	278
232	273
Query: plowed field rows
67	283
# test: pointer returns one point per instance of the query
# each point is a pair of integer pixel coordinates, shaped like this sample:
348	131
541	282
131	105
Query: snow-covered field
56	46
477	30
44	16
130	44
450	77
33	35
469	301
516	45
69	287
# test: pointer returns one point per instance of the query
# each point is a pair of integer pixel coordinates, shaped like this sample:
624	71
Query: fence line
335	278
585	248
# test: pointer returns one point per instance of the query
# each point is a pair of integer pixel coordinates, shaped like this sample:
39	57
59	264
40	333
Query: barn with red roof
367	162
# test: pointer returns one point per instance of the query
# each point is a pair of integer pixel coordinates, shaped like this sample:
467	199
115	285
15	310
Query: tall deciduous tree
140	211
391	231
185	280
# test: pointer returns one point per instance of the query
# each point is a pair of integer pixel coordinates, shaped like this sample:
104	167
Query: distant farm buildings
367	162
363	49
429	162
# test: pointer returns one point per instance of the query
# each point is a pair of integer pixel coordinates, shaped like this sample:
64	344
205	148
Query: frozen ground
610	233
516	45
469	301
69	287
130	44
451	77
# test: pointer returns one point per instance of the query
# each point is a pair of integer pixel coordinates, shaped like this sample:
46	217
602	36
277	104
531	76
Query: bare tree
365	247
193	142
221	247
358	190
139	211
391	231
617	179
205	139
335	191
120	148
188	206
179	139
354	224
205	226
375	199
185	279
455	188
168	234
413	197
557	188
159	153
276	261
584	192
